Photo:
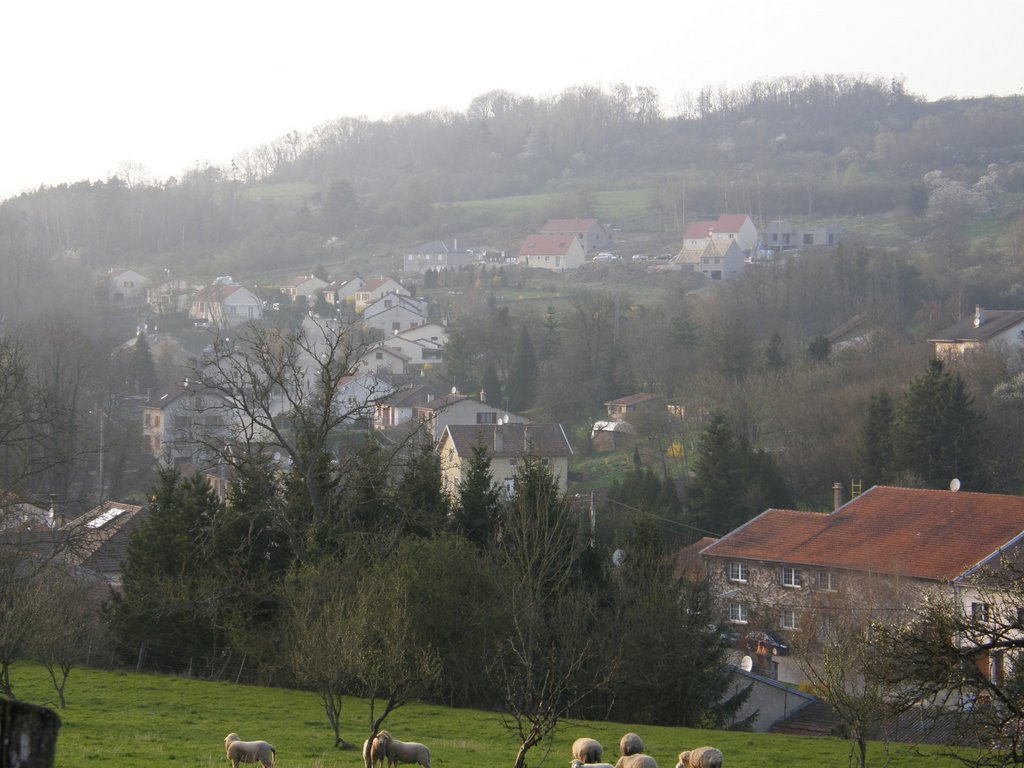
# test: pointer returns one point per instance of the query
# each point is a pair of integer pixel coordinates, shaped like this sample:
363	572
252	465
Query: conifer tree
874	446
476	511
522	378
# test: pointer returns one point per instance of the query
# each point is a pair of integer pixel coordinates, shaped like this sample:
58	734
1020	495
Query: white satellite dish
504	419
455	390
954	485
746	663
617	557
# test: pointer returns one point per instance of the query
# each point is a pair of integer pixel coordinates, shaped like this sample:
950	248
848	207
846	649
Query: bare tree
549	643
66	616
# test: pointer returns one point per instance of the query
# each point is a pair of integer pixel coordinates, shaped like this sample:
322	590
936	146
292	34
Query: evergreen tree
874	445
936	430
476	512
490	385
551	333
141	368
174	596
715	495
775	355
674	666
419	498
522	378
819	350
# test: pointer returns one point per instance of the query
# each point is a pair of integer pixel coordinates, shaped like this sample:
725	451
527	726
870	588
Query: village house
393	313
170	295
590	233
506	445
721	233
381	358
357	396
787	571
616	431
371	290
337	292
455	409
1001	329
557	253
307	287
781	235
438	257
420	353
126	285
224	305
181	421
434	332
397	408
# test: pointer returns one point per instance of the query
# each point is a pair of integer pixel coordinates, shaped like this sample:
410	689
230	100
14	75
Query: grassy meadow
134	720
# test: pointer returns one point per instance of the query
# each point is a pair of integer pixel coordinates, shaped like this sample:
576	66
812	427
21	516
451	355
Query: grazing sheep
587	750
402	751
702	757
631	744
581	764
636	760
248	751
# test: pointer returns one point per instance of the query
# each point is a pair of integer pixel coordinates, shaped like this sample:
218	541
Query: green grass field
131	721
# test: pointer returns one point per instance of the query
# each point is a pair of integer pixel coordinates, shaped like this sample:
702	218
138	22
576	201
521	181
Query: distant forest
823	146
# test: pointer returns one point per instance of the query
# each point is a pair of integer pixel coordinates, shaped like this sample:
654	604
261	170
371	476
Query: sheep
376	756
402	751
636	760
581	764
587	750
248	751
702	757
631	744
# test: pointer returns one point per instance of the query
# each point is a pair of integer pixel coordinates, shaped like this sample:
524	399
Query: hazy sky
90	86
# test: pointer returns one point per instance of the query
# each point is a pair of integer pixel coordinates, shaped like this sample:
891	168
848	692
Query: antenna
954	485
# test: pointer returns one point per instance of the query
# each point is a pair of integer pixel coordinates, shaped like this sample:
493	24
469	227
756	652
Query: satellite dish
455	390
746	663
954	485
504	419
617	557
277	455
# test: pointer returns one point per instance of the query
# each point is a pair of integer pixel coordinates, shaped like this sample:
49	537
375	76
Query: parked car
606	257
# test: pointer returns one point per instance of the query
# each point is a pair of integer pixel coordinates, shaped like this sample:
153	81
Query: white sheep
636	760
631	744
587	750
701	757
239	751
581	764
402	751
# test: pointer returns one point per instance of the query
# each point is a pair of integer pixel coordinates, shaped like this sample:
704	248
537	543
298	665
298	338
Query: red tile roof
639	397
569	225
546	245
902	531
731	222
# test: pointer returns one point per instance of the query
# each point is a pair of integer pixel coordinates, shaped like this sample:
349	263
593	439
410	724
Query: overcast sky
90	86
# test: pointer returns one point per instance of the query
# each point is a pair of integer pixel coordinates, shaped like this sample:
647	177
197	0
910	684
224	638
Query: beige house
224	305
787	572
999	328
126	285
371	290
306	286
183	421
506	444
557	253
337	292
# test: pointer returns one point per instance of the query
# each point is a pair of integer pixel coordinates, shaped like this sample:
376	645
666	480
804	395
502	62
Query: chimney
837	496
483	396
979	320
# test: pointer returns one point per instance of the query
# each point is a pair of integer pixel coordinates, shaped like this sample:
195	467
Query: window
827	581
809	239
787	620
791	576
738	613
979	612
738	571
380	355
484	417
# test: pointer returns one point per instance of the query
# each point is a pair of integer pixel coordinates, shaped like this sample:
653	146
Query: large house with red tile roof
371	290
787	571
591	233
555	252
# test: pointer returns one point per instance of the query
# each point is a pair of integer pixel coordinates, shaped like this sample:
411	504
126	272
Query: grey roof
507	440
994	322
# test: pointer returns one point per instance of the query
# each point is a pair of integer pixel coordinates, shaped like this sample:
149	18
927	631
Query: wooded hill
827	146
